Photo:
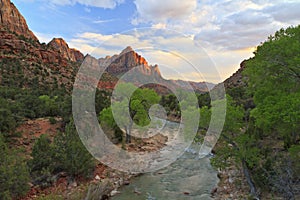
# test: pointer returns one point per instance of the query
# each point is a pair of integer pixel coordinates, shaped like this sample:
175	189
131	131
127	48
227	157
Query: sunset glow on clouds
227	30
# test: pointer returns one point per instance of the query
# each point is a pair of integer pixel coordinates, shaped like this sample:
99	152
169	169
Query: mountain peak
125	61
12	20
127	49
59	41
61	45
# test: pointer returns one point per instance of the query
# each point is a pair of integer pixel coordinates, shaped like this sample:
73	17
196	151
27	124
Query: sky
199	40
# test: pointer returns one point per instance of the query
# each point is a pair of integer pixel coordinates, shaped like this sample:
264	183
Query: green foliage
49	105
205	116
42	154
234	139
190	115
43	163
7	121
66	153
234	120
204	100
294	152
279	113
171	105
14	174
247	150
139	104
102	100
17	104
52	120
106	118
71	155
274	81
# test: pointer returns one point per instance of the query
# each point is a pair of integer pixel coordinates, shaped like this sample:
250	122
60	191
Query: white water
189	178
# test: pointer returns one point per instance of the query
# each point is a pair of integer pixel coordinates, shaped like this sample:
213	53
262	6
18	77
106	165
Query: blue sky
227	30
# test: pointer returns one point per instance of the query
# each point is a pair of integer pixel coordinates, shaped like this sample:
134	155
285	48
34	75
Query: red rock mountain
237	79
127	60
49	65
55	64
63	48
12	20
16	36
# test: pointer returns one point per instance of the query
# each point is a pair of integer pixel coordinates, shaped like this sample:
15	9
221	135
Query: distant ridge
55	64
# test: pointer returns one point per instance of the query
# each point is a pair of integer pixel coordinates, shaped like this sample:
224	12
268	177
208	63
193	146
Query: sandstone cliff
62	47
55	64
39	65
12	20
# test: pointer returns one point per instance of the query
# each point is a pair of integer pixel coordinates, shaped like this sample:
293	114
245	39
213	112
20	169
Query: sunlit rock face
62	47
12	20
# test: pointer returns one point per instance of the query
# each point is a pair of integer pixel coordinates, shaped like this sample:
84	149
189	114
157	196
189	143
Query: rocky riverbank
232	184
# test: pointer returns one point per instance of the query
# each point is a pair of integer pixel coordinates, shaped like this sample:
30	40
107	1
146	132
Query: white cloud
285	12
159	25
176	54
103	21
94	3
88	10
161	11
221	25
227	30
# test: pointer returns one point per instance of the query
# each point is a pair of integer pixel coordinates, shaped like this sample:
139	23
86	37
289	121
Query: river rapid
187	178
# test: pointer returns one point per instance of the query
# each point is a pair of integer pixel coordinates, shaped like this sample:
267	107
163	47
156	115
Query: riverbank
232	184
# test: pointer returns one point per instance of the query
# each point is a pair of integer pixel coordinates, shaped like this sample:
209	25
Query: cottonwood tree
138	106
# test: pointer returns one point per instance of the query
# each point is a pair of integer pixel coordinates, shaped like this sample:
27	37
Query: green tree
205	116
237	143
171	105
102	100
42	154
14	175
7	121
71	155
49	105
274	81
43	162
107	121
138	104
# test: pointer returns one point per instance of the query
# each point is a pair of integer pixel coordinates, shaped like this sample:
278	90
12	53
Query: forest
261	134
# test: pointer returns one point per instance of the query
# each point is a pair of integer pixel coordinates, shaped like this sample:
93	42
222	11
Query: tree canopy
129	109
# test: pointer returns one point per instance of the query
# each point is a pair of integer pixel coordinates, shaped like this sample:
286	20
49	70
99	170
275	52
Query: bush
42	164
52	120
71	154
7	121
14	174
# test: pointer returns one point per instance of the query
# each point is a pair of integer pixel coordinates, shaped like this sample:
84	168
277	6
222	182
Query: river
188	178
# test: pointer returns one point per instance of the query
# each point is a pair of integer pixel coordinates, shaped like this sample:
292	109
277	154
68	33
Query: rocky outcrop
17	38
12	20
197	86
127	60
58	64
237	79
77	55
48	65
11	44
62	47
142	72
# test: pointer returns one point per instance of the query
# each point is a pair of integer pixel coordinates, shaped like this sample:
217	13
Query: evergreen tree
14	175
71	155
